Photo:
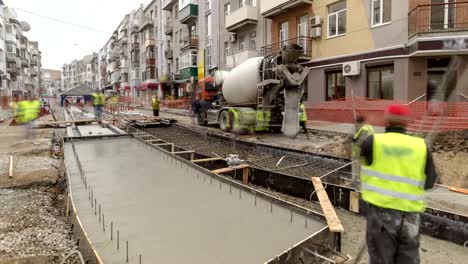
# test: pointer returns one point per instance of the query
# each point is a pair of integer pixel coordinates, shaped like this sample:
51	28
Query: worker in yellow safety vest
155	105
99	100
396	171
363	131
113	103
303	119
14	109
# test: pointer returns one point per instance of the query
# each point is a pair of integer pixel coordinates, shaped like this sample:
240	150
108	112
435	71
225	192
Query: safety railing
274	49
432	18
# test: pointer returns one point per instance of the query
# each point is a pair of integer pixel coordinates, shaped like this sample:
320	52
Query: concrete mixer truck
262	93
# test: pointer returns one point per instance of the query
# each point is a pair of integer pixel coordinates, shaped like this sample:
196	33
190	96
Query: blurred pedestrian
303	119
397	169
99	100
364	130
155	104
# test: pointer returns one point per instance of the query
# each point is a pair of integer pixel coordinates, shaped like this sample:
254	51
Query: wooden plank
245	175
206	160
354	202
184	152
334	223
228	169
10	171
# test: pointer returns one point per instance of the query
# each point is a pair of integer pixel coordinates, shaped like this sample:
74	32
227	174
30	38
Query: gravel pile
28	163
31	226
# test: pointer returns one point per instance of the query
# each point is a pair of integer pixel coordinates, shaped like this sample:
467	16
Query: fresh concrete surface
170	213
94	130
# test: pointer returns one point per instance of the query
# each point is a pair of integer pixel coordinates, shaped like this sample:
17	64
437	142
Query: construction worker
363	131
155	104
396	171
303	119
98	102
14	109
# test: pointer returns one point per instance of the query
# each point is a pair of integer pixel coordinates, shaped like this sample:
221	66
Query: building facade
51	82
20	58
79	72
370	53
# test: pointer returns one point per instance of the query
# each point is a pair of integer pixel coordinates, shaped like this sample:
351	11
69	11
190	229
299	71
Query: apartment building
51	82
246	31
79	72
379	51
20	59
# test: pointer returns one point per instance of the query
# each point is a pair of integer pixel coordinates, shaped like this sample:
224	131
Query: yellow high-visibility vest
155	104
396	177
356	148
302	113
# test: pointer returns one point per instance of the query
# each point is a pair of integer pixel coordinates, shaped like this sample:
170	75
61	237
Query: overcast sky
61	43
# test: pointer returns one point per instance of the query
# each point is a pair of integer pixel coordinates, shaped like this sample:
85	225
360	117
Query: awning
145	86
126	88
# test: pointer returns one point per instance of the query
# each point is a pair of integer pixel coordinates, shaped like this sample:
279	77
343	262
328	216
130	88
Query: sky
61	43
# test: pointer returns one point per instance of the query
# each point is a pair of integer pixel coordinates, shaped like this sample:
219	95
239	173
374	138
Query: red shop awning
145	86
126	88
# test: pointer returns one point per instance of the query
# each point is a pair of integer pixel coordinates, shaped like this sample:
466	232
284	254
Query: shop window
336	88
380	82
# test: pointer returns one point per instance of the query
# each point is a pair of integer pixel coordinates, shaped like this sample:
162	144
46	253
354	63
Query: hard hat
397	112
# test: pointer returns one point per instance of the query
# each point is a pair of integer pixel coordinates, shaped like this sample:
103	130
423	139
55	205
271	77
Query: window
242	3
242	43
227	48
337	19
302	32
1	31
208	52
283	34
381	12
380	82
9	28
188	59
208	25
208	5
10	47
193	30
442	14
336	88
253	40
176	13
227	9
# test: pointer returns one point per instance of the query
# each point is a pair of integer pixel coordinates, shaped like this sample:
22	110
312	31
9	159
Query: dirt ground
432	251
33	228
450	151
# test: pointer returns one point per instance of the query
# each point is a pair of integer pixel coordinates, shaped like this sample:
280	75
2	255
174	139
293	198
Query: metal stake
127	251
103	224
140	258
118	239
95	207
99	213
112	229
291	215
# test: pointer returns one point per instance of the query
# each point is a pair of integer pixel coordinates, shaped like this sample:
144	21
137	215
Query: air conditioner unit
316	32
232	38
351	68
315	21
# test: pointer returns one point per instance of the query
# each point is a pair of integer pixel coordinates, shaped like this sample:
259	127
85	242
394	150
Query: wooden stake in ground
10	172
334	224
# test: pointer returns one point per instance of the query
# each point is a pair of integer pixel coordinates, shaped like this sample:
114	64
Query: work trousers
98	112
155	112
392	236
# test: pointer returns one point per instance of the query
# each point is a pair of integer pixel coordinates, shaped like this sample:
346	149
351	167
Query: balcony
33	62
25	62
135	46
236	58
186	73
10	38
124	66
150	42
438	18
189	42
12	69
168	54
11	57
304	42
188	13
150	62
243	16
271	8
168	4
168	29
147	22
33	72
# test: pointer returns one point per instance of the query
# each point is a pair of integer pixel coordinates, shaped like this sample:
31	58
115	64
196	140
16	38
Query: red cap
398	111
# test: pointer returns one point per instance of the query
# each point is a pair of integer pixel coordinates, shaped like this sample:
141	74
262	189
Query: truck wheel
224	121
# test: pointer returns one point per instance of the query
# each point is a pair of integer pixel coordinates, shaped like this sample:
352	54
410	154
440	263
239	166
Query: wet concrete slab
171	213
94	130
